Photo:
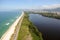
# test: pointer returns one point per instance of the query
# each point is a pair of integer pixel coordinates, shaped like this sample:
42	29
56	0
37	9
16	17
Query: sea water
7	18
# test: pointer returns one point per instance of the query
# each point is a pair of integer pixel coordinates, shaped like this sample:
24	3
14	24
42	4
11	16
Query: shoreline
7	35
17	29
28	30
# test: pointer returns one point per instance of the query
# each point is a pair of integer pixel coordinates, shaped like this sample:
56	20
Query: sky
28	4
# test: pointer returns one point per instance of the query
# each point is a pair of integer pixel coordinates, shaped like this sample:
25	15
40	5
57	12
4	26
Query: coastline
7	35
17	29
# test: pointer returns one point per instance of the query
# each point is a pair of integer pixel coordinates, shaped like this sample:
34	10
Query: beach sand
10	31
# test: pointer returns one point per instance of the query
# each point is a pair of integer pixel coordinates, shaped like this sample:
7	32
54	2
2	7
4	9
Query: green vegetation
47	14
52	15
34	32
27	28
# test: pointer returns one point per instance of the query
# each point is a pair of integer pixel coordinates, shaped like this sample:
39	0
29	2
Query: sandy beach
7	35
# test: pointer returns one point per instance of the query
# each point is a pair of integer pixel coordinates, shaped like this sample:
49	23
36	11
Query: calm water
6	20
49	27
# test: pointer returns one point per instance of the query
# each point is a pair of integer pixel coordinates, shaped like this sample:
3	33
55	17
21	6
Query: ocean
7	18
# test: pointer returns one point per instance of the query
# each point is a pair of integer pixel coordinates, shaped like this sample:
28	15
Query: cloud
46	6
50	6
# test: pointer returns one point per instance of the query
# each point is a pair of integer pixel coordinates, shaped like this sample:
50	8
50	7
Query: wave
7	23
17	16
12	20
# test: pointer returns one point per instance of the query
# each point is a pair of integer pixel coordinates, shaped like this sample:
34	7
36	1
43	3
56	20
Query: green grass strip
27	28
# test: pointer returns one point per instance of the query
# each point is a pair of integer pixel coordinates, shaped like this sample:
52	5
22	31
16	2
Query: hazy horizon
28	4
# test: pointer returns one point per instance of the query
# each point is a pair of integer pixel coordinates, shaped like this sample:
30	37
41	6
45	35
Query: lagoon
49	27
